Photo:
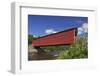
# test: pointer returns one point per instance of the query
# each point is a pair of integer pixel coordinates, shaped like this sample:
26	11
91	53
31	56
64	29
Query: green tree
76	51
59	48
30	38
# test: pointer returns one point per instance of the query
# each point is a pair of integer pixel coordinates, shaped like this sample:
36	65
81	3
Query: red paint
61	38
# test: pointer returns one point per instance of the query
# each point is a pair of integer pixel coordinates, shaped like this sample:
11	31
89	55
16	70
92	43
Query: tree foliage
30	38
55	48
76	51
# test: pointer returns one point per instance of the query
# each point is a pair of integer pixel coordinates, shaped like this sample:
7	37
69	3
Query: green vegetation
55	48
75	51
30	38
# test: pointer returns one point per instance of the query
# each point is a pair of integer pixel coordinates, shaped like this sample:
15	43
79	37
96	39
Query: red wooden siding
60	38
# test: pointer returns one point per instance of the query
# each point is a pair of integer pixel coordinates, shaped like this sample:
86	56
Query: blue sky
40	25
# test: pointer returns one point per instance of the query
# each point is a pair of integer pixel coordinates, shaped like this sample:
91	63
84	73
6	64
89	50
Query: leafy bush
77	50
55	48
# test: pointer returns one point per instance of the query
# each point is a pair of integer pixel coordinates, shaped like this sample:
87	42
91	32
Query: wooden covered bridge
66	37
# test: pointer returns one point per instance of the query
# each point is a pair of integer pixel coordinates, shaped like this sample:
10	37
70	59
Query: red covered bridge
66	37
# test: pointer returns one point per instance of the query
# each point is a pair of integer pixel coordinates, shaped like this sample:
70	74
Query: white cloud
83	29
80	30
35	36
50	31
